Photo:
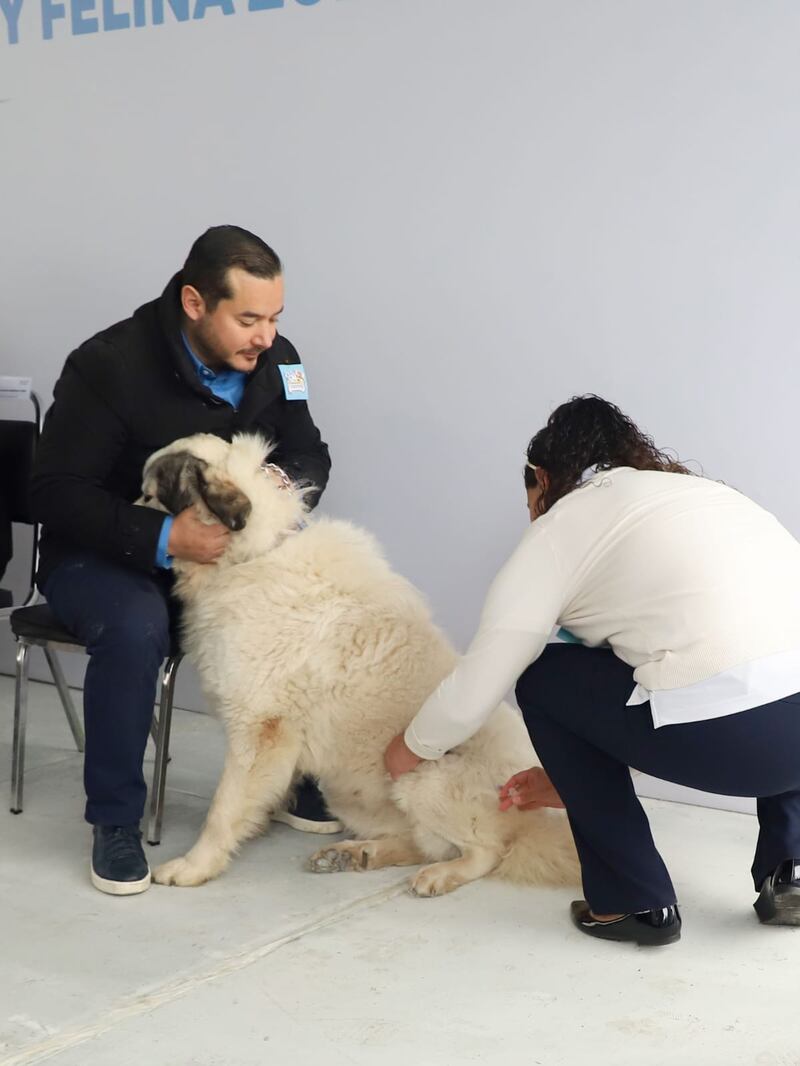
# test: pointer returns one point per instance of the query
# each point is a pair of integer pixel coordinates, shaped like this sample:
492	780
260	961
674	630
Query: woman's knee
543	679
576	674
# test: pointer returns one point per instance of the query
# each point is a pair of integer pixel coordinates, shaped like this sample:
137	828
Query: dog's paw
179	872
434	881
333	860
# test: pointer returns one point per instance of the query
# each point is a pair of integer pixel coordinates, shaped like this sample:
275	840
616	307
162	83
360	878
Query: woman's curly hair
589	431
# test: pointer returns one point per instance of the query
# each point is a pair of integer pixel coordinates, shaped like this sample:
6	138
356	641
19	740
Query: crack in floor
144	1003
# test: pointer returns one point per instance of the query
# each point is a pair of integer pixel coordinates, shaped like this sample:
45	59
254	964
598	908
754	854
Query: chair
34	625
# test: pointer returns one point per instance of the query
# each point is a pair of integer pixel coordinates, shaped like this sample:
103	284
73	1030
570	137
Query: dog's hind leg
258	771
359	855
441	877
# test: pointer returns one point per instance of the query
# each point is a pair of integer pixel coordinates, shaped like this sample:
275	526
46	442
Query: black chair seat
40	624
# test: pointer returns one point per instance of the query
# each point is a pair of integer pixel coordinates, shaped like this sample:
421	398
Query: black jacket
122	395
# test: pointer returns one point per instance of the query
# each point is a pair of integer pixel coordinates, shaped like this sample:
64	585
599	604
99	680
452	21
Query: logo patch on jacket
295	383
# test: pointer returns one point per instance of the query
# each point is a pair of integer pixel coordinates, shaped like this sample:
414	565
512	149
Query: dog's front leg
258	771
358	855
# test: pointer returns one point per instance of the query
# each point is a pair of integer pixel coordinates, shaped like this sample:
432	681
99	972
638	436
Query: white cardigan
688	581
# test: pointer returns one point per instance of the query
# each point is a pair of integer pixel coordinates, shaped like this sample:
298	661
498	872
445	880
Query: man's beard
207	348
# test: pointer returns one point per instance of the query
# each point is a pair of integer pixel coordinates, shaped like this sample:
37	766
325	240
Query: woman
688	597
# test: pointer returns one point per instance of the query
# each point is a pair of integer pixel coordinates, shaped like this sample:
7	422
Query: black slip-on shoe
307	812
119	867
778	902
647	928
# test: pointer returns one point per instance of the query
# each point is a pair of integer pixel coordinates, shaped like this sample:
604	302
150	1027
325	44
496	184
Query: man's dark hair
220	248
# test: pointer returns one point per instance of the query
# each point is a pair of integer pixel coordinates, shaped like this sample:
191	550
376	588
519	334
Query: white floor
272	964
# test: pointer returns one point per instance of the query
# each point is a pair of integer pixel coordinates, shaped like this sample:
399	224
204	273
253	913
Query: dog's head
224	482
191	471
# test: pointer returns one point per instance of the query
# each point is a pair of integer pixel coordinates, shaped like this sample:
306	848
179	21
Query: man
204	357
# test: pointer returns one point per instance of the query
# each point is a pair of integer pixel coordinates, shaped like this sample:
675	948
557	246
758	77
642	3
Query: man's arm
300	450
81	442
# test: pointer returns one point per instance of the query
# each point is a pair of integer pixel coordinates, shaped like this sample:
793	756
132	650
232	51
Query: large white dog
315	654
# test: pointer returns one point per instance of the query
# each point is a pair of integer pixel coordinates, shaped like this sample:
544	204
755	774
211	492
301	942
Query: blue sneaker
307	812
118	863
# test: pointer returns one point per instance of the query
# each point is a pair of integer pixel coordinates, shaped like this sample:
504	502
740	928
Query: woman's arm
522	606
465	699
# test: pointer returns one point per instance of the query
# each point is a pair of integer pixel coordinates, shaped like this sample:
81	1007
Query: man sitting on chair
203	357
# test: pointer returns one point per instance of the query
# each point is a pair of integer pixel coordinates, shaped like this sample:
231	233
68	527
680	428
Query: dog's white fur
315	654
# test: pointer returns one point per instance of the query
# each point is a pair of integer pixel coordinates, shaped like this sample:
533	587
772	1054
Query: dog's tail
542	850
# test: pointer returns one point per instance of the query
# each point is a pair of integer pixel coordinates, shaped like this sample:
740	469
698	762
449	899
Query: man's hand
529	790
399	758
196	541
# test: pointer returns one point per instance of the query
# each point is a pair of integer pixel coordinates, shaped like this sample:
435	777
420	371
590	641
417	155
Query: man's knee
139	626
109	606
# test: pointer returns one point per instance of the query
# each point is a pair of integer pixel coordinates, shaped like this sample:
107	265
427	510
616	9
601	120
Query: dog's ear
177	479
224	499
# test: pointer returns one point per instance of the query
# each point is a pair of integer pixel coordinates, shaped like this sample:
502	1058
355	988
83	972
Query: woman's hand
399	759
529	790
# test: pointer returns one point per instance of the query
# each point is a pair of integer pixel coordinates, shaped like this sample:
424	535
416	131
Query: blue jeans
123	617
573	700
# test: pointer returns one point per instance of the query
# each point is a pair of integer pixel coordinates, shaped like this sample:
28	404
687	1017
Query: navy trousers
123	617
573	700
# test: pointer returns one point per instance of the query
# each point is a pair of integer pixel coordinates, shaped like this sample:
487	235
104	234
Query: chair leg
66	698
20	724
162	749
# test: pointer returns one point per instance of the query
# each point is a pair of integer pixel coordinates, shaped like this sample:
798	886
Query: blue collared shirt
228	385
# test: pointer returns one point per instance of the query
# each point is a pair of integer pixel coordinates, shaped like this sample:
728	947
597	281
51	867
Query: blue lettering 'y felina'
180	9
80	22
81	17
11	10
114	20
50	12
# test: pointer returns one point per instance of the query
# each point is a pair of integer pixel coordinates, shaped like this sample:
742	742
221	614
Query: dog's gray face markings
182	479
176	479
224	500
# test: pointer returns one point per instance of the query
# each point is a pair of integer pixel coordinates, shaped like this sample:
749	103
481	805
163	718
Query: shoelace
122	842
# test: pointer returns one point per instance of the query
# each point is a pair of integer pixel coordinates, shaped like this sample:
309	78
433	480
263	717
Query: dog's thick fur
315	654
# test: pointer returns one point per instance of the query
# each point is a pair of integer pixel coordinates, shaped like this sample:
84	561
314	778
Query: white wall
484	206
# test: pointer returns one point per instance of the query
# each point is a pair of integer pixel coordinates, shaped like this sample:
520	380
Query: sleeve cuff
424	751
164	561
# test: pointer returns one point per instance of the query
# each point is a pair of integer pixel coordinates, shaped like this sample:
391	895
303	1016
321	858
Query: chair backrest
18	450
18	440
